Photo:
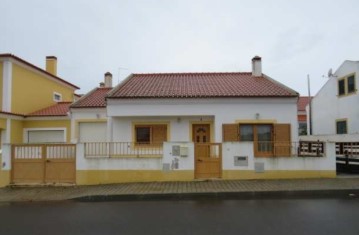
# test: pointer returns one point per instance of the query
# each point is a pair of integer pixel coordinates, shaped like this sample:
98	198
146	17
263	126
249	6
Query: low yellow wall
92	177
283	174
4	178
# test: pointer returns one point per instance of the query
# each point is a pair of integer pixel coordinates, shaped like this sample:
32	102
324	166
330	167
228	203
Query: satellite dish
330	73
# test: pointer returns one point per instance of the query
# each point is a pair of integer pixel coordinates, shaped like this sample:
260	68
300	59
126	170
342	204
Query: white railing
122	149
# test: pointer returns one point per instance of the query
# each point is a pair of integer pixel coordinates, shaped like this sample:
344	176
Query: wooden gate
208	160
43	164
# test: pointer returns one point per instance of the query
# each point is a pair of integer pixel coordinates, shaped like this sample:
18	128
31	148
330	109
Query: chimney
102	84
257	66
51	65
108	79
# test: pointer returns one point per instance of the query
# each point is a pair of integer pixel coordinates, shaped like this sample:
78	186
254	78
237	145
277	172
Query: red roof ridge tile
190	73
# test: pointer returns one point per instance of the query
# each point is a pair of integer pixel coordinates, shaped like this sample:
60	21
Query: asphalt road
285	216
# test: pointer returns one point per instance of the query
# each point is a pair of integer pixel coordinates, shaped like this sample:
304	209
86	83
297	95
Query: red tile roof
59	109
37	68
93	99
200	85
302	103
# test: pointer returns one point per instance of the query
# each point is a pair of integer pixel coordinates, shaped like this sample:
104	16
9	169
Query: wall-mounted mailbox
241	160
259	167
184	151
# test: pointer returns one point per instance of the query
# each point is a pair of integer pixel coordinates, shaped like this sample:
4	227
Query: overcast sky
89	38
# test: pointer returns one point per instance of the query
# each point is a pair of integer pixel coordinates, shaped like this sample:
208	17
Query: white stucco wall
282	110
83	163
327	107
229	151
232	149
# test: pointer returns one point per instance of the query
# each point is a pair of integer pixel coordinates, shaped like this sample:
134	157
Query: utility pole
310	106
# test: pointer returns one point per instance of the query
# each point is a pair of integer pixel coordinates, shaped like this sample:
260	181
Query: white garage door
46	136
93	132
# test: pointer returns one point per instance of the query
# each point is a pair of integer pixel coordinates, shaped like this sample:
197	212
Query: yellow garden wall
279	174
92	177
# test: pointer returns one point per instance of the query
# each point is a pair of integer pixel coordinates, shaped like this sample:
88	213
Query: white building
335	107
186	126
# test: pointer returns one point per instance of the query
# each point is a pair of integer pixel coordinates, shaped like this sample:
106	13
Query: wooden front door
208	156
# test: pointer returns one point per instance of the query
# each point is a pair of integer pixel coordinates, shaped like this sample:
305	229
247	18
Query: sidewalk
186	190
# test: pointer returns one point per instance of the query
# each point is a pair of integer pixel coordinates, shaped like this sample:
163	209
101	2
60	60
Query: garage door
93	132
46	136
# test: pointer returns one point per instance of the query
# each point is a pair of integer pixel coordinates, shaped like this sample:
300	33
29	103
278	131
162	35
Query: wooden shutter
230	132
159	134
282	140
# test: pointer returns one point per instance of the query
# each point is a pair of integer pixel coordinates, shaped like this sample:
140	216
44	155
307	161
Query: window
57	97
260	134
246	132
264	136
150	134
342	127
351	84
302	128
268	139
346	85
341	87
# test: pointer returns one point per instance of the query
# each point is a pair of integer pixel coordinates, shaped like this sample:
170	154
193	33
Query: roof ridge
189	73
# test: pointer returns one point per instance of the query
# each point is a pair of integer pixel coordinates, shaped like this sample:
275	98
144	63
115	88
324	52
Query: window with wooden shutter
159	134
230	132
282	140
154	134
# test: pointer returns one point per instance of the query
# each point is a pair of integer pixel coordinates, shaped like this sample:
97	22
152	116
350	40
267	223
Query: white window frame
57	94
26	132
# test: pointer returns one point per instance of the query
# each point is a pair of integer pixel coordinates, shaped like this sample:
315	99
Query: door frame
209	143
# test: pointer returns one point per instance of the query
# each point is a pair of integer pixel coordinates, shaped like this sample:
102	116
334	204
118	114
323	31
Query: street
278	216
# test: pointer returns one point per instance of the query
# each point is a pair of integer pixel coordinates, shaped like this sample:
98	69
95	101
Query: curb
249	195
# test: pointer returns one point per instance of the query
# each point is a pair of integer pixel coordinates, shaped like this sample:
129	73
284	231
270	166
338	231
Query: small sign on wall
241	160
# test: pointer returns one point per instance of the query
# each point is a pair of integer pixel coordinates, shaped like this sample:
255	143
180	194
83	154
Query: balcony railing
122	149
287	149
347	149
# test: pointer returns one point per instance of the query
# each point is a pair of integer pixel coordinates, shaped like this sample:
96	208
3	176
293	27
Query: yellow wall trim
279	174
4	178
253	121
93	177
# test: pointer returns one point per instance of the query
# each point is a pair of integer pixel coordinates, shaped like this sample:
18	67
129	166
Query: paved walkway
130	191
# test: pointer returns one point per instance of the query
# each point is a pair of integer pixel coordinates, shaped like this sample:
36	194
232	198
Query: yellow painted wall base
283	174
92	177
4	178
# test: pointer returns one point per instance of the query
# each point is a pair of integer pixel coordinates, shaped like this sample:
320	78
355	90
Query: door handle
200	160
47	160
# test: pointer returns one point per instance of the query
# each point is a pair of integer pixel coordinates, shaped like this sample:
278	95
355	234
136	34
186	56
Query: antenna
119	69
330	73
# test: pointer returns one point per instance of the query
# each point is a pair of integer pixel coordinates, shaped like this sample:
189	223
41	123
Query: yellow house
34	104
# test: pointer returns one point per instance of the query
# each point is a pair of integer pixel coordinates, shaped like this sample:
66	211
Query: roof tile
59	109
200	85
93	99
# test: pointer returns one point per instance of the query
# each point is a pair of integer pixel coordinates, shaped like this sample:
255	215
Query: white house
186	126
335	106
